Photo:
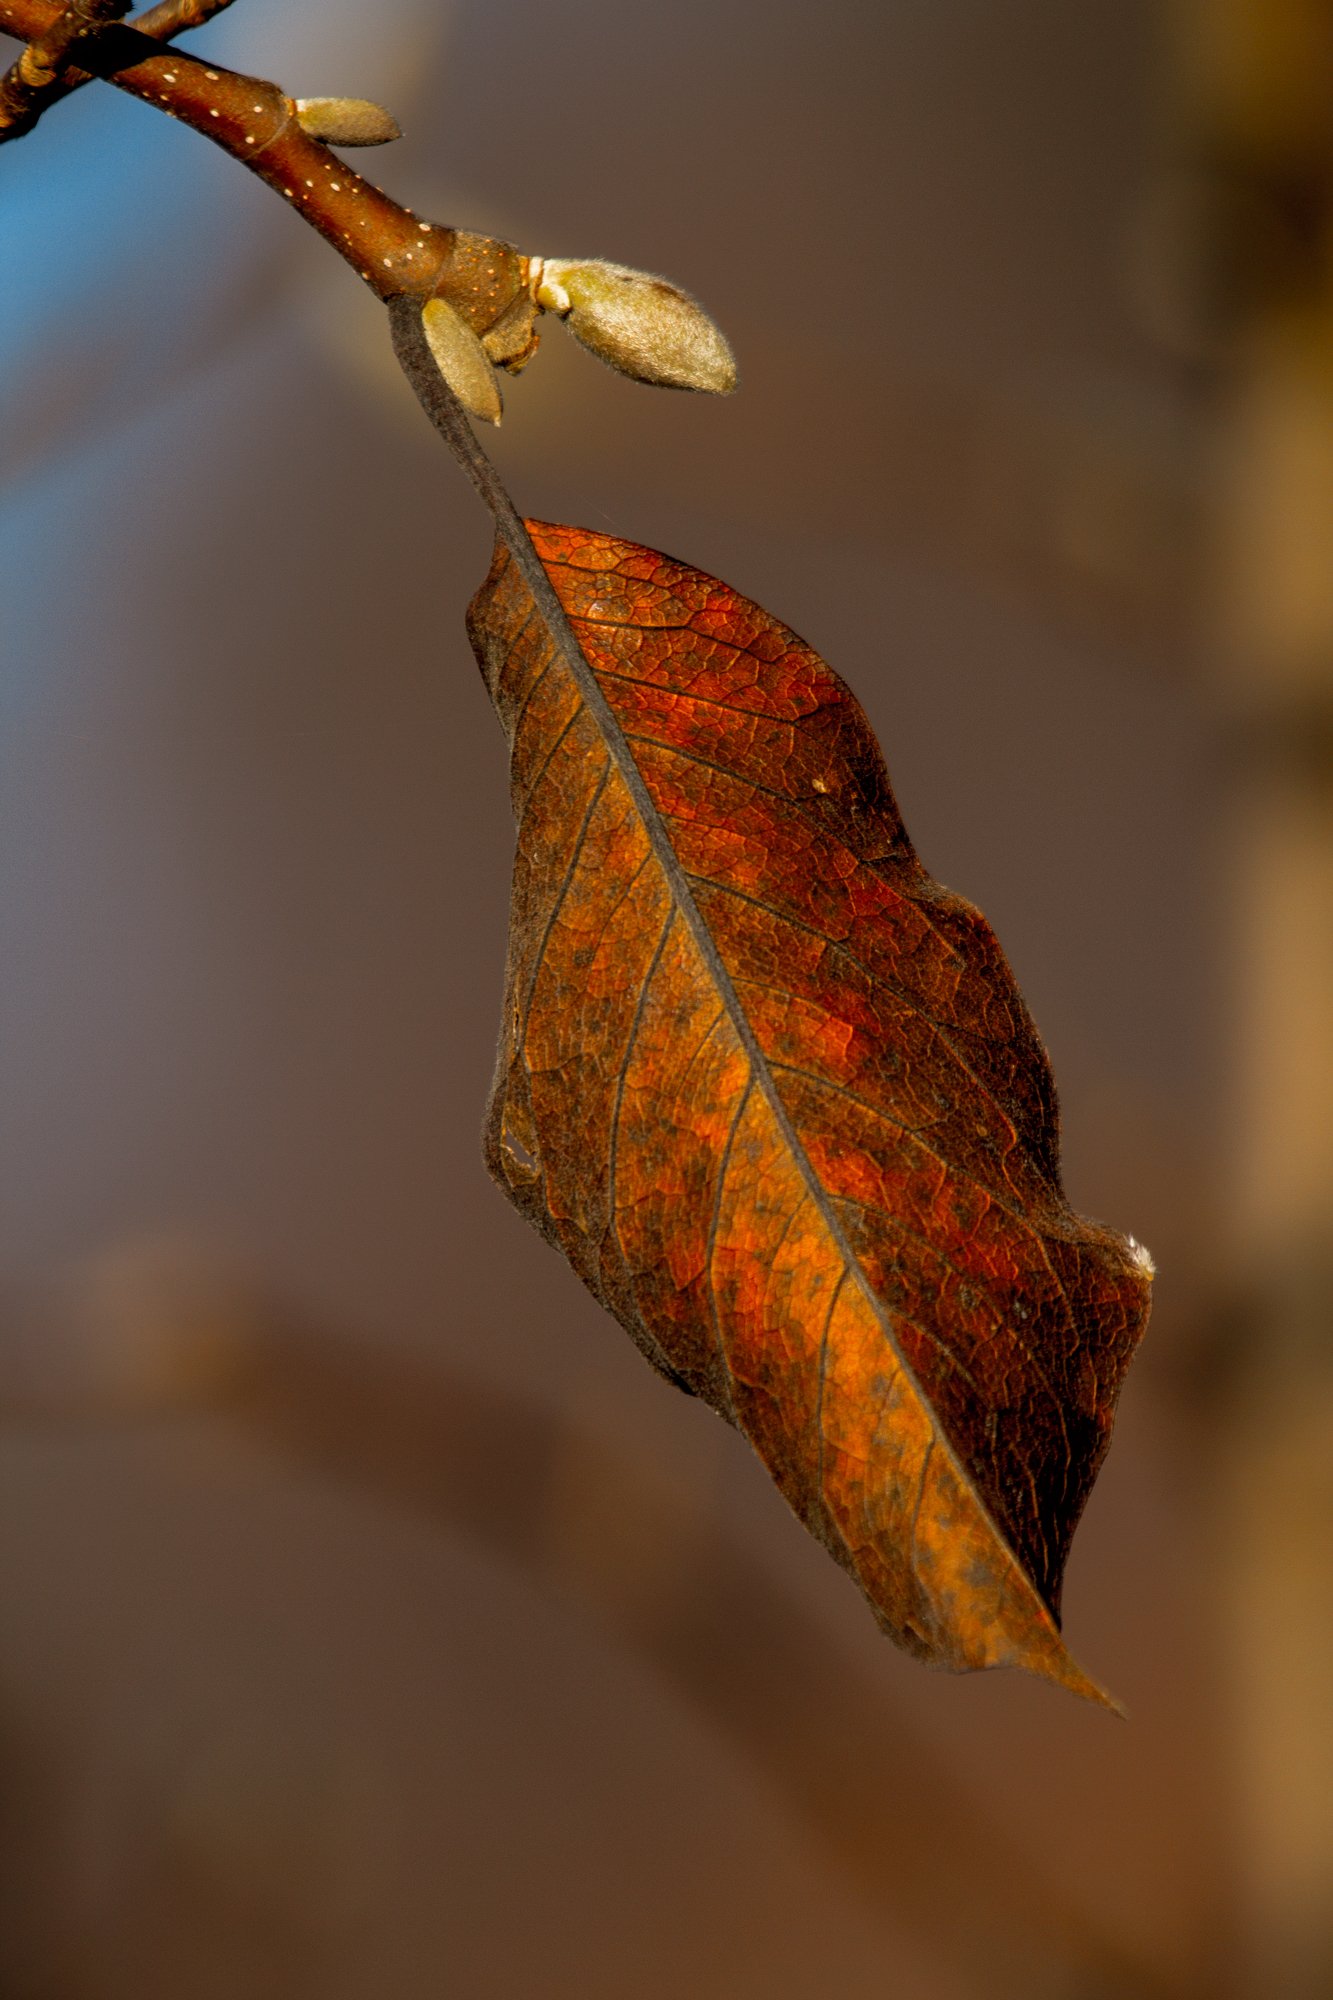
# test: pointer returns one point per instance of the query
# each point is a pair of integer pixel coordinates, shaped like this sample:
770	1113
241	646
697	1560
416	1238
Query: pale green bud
462	360
640	324
346	121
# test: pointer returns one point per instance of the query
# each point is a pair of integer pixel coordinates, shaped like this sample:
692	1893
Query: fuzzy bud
346	121
462	360
640	324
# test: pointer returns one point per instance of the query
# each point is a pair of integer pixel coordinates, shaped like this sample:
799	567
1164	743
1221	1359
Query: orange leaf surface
774	1093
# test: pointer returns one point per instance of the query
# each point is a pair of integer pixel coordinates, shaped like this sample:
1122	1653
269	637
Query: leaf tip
1063	1670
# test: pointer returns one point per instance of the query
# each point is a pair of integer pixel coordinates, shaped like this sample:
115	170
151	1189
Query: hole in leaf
519	1157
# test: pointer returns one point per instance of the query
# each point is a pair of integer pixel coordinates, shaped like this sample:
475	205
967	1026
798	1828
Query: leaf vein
558	904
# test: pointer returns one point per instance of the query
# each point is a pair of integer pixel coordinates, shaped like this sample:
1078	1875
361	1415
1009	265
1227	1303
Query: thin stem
177	17
446	413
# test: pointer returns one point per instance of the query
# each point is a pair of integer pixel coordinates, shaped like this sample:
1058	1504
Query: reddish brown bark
389	247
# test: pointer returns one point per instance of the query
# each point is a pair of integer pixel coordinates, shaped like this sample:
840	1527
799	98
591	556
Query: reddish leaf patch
775	1094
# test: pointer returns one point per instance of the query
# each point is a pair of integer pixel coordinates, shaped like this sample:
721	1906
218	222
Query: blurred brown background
371	1621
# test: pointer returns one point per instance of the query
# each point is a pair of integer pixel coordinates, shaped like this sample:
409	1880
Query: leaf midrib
523	553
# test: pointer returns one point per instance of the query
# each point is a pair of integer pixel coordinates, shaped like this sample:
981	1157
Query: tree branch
161	23
35	80
176	17
389	247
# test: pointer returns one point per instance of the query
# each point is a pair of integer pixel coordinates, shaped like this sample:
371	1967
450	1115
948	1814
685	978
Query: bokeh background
372	1622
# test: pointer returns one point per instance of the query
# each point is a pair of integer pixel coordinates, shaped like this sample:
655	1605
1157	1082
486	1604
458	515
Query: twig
176	17
168	19
35	79
390	248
